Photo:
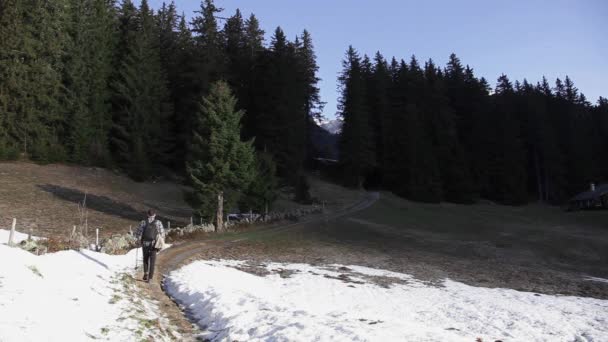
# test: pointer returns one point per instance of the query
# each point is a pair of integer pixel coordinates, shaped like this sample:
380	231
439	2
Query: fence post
12	233
168	225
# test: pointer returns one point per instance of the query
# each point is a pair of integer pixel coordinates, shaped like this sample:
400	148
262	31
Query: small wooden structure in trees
595	197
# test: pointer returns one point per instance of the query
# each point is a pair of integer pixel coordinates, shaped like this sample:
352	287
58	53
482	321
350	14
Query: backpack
150	232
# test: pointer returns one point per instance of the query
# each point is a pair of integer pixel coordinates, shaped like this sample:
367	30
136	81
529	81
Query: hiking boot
146	277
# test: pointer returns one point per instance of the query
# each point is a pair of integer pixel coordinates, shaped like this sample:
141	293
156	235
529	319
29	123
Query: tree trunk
220	212
538	176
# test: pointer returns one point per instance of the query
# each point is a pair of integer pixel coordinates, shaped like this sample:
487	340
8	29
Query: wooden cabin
595	197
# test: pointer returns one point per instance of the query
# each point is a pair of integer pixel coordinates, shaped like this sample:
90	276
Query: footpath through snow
74	296
298	302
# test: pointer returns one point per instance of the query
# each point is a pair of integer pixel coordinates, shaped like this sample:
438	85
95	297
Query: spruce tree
508	174
356	141
313	107
252	68
220	166
379	102
454	169
210	59
31	67
141	99
88	68
424	179
262	191
280	126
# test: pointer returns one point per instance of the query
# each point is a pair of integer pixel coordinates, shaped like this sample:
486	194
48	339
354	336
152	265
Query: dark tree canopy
434	134
115	84
103	82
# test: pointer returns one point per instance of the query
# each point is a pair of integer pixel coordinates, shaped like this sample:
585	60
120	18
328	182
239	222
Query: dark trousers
149	260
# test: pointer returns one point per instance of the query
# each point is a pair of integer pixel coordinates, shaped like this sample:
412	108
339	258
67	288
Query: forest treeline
96	82
442	134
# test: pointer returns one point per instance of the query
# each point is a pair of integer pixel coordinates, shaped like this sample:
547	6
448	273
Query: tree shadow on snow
93	259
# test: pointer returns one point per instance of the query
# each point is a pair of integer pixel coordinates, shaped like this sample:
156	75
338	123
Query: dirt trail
183	253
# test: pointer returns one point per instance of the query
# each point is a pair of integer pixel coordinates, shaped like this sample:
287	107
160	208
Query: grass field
533	248
45	198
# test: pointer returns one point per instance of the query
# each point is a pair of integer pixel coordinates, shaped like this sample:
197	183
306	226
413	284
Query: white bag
160	242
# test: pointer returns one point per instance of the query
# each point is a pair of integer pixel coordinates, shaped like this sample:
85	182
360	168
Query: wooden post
220	211
130	230
29	235
97	239
168	225
12	233
250	215
191	222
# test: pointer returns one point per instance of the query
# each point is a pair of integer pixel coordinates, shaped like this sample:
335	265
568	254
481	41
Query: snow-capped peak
332	126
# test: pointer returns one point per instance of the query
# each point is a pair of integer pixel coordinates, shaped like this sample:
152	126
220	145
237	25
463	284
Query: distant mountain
324	142
332	126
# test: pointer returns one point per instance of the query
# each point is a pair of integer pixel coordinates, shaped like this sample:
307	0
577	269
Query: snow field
298	302
74	296
17	238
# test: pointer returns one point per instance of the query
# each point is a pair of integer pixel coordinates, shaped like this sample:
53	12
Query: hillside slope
45	198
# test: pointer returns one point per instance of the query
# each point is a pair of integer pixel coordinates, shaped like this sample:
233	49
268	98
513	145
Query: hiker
152	235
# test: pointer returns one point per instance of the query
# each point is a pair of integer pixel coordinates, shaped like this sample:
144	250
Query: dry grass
45	199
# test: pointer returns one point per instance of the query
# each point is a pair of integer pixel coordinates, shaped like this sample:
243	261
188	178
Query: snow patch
601	280
299	302
74	296
17	238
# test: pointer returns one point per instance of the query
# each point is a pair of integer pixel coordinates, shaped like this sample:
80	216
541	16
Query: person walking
150	231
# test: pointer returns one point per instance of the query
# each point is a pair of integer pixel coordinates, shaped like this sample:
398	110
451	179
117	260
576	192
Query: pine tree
280	126
394	163
454	169
185	92
424	179
88	67
509	173
379	103
313	107
141	104
252	68
262	191
210	63
220	166
356	141
31	65
235	51
13	71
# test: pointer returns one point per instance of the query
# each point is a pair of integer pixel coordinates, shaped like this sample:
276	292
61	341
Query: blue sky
527	39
